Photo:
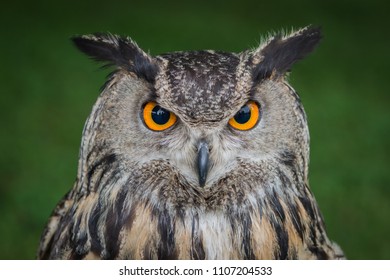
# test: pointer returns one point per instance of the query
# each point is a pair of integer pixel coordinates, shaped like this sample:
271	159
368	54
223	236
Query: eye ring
247	117
157	118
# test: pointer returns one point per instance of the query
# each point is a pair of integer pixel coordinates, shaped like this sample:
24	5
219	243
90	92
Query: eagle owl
193	155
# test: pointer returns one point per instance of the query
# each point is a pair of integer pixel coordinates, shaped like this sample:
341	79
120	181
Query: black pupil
160	115
243	115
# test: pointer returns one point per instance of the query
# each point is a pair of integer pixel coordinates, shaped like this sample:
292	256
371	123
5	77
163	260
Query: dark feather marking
102	173
80	248
246	222
106	162
319	252
296	177
64	218
321	226
315	248
77	241
280	54
307	205
296	220
285	180
197	250
233	221
292	208
277	221
282	237
276	206
118	51
62	240
96	246
166	229
76	254
116	217
112	178
317	232
287	158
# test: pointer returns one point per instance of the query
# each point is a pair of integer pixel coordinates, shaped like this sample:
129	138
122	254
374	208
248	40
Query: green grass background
48	89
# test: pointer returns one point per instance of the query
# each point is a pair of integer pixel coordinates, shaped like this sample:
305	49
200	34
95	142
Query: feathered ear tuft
279	54
122	52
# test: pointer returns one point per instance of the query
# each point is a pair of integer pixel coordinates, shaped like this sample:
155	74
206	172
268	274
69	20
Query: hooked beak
203	162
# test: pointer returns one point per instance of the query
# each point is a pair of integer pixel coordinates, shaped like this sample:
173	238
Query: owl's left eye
247	117
157	118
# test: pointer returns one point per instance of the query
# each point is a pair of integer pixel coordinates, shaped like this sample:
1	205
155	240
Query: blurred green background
48	89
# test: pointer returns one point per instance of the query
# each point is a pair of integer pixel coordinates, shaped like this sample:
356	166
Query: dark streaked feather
280	54
122	52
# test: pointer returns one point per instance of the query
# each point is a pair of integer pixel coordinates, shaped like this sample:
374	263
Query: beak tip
202	182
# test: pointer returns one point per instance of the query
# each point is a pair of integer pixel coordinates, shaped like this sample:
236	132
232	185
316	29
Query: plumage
193	186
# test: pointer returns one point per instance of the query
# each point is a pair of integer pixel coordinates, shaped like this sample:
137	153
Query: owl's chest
210	235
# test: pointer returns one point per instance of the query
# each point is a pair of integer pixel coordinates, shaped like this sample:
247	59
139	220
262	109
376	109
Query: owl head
203	114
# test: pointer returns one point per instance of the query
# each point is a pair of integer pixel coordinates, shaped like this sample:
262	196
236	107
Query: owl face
202	112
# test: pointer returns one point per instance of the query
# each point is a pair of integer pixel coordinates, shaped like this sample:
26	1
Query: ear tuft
122	52
279	54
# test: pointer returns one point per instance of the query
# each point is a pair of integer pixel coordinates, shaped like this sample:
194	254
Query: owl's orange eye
247	117
157	118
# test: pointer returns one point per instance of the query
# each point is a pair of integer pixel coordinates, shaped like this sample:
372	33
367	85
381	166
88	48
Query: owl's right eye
247	117
157	118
